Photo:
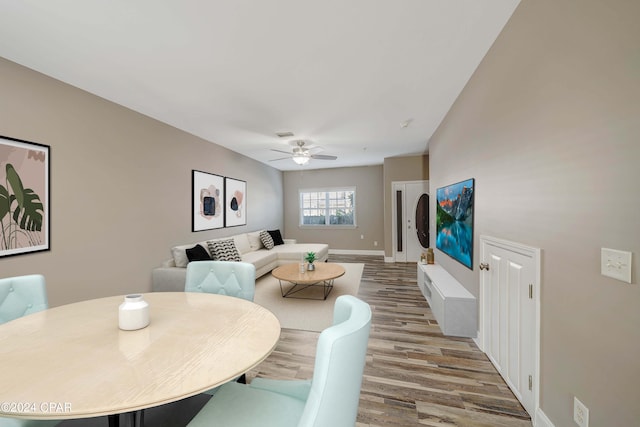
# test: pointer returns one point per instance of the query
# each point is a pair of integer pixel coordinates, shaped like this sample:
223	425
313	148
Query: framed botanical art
25	214
235	202
207	191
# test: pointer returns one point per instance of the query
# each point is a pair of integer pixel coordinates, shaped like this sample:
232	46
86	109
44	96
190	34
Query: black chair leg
114	420
132	419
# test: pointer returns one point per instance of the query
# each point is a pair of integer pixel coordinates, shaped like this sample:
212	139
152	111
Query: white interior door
407	227
509	315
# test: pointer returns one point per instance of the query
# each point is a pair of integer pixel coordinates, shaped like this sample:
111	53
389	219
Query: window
330	207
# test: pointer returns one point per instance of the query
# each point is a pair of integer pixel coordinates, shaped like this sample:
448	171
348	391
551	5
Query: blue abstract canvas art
454	221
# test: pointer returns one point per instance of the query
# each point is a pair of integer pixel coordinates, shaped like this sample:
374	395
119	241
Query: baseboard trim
477	341
355	252
389	259
542	420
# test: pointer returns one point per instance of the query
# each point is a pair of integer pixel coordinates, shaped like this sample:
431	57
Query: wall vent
284	134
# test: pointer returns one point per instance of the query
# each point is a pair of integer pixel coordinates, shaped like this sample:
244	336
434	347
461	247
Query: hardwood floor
414	375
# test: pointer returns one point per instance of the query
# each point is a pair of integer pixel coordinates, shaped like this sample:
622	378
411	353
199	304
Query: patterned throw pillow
224	250
267	241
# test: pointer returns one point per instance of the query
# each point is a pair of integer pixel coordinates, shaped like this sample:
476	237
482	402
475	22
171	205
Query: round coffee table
323	275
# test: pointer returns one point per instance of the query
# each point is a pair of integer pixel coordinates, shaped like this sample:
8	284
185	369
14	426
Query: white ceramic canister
133	313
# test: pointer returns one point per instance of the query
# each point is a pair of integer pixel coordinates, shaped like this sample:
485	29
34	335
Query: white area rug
306	314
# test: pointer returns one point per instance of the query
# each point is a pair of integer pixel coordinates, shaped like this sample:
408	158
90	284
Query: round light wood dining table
73	361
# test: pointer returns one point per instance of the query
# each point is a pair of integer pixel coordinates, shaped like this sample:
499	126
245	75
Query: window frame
327	207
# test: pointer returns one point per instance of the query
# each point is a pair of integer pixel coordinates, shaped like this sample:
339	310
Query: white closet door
509	291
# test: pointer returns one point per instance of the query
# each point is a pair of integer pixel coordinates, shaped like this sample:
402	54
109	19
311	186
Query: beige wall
408	168
549	128
369	199
120	187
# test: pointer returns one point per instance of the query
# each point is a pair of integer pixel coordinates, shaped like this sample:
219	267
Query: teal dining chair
330	398
14	422
235	279
20	296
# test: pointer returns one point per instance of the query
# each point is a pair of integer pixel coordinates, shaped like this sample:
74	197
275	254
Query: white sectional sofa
170	277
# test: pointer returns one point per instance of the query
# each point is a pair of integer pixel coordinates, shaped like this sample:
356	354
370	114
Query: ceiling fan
302	154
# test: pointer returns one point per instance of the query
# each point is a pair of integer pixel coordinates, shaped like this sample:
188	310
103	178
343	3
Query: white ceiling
341	74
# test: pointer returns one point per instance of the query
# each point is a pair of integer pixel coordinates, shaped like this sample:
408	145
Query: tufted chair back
330	399
339	366
236	279
22	295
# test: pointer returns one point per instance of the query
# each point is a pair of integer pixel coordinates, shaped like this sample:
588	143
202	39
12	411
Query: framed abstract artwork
25	214
235	202
207	208
454	221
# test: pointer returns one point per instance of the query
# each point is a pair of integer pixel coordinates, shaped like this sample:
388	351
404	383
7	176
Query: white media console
453	306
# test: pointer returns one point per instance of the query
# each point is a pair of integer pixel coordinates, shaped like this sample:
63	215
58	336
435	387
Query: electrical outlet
375	243
362	237
615	264
580	413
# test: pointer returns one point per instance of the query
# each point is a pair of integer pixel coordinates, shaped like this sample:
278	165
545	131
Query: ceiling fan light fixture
301	158
301	154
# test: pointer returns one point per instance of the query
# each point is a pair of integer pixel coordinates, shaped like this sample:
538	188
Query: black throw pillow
276	236
198	253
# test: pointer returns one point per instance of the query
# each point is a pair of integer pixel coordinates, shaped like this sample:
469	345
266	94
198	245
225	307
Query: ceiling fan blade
280	151
281	158
323	157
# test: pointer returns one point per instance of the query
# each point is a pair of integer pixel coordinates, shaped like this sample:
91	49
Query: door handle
484	266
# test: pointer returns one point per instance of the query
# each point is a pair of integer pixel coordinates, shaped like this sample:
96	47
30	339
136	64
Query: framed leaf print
25	214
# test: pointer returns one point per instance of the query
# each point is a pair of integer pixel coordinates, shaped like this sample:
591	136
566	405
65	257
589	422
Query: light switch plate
616	264
580	413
